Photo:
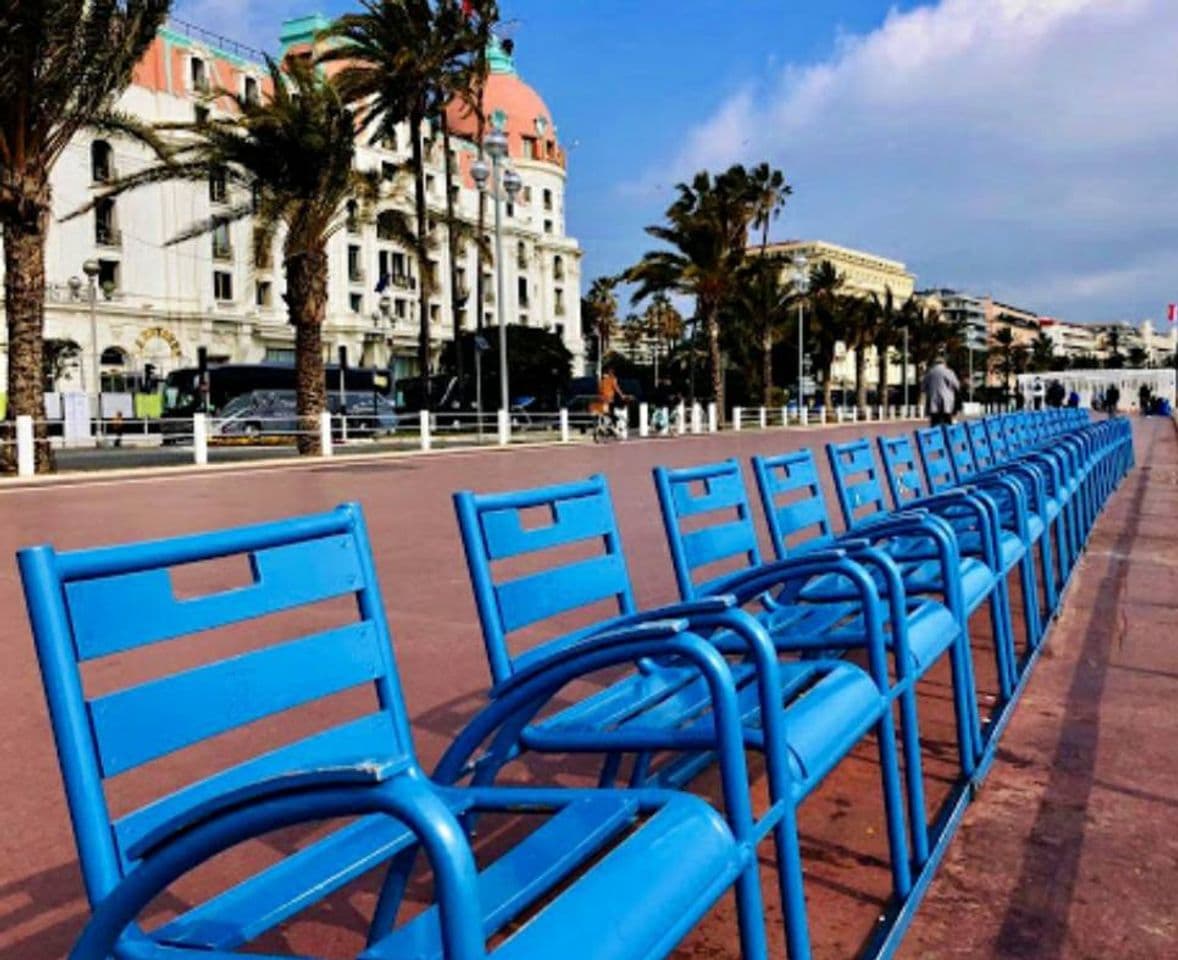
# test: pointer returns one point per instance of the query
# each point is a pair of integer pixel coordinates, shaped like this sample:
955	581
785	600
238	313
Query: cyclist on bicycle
611	401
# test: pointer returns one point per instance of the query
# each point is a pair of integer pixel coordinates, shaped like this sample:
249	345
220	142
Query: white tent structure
1093	383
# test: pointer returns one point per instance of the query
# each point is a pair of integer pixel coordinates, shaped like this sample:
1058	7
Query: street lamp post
905	370
92	269
495	145
801	281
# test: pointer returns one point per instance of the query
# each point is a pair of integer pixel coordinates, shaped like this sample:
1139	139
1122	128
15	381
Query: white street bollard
643	420
681	419
325	447
26	450
423	424
838	413
504	424
711	418
881	413
200	439
785	416
763	418
697	415
803	416
737	413
564	426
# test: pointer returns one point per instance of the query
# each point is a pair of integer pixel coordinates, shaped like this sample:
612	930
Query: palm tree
705	232
859	326
930	335
770	191
599	316
1003	353
1042	353
763	304
404	61
291	156
827	326
1138	357
885	337
664	325
62	66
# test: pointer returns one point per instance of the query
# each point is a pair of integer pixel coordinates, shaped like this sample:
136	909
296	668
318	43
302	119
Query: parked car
274	414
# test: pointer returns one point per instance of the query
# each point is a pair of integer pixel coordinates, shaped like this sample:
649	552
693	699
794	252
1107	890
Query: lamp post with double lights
509	183
801	282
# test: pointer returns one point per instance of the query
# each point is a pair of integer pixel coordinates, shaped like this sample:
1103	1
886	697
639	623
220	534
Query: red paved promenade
1072	850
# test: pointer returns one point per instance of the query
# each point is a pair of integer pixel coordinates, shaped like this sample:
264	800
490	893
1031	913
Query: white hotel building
157	304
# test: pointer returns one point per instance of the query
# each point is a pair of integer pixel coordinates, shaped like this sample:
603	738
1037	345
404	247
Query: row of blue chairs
799	658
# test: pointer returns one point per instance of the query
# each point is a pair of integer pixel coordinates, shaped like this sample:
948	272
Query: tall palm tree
704	233
1003	355
827	326
763	304
664	325
62	66
930	335
886	335
770	191
290	155
599	315
1042	353
859	326
403	61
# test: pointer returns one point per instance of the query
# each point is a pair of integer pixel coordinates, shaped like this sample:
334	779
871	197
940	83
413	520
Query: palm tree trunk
423	286
861	377
712	329
452	250
827	389
306	293
24	304
883	377
767	366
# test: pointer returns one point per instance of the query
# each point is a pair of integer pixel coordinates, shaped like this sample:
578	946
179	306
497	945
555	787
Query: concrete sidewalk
1071	849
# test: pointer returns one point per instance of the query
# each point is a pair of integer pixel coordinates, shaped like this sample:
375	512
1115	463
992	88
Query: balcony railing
356	274
403	281
222	251
103	172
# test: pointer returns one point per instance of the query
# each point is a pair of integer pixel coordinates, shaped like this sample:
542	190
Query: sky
1024	149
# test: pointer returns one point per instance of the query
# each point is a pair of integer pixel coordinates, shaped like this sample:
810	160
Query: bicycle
610	425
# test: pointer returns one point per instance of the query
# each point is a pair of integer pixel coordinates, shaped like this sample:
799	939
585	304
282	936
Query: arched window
114	357
558	267
102	166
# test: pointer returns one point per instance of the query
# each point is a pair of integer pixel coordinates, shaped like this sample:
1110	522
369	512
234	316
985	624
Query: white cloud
1021	147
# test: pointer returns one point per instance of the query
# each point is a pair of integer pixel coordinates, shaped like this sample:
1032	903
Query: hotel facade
156	304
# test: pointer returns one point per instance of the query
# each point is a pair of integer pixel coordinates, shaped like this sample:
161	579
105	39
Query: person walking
940	387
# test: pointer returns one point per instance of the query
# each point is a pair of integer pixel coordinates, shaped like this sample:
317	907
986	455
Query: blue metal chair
862	501
948	461
536	557
610	873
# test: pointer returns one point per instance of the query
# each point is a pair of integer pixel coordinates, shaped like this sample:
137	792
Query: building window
526	194
198	73
548	226
356	302
510	209
109	276
530	151
431	183
522	288
547	199
435	313
222	286
559	302
222	248
218	186
102	162
355	269
388	171
264	293
353	217
389	140
250	90
106	234
521	255
400	308
279	355
558	267
200	114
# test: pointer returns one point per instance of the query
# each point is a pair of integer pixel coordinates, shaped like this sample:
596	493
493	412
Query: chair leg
966	713
790	883
893	804
1003	630
1047	568
750	914
1031	616
392	892
913	773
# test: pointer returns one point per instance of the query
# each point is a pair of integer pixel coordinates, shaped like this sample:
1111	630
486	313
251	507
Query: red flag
1172	313
468	7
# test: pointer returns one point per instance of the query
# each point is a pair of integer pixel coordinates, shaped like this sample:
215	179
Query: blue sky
1020	148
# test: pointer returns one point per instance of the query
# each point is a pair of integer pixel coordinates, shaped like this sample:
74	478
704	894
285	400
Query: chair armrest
896	595
686	610
409	798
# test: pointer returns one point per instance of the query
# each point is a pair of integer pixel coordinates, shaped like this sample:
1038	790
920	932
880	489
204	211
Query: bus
183	395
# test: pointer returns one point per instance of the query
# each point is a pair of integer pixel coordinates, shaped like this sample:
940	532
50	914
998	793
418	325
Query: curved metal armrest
329	794
1000	491
687	610
746	585
896	595
979	504
932	527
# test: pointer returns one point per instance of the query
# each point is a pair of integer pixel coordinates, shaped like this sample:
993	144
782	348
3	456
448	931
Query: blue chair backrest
979	439
996	434
938	464
794	503
960	451
535	555
856	481
106	607
709	524
902	467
